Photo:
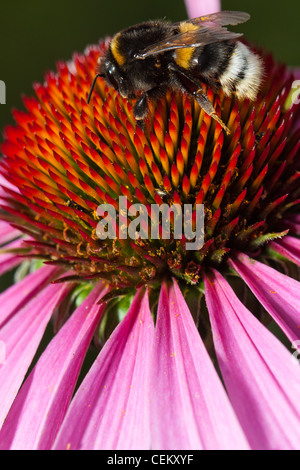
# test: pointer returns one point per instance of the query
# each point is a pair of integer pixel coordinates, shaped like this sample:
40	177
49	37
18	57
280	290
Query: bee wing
222	18
208	30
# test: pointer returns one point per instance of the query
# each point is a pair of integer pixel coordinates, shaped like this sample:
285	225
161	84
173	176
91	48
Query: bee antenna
93	86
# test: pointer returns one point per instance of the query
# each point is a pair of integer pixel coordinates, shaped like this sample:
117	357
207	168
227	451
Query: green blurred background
35	34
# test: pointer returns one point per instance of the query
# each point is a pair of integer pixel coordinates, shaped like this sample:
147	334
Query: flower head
64	159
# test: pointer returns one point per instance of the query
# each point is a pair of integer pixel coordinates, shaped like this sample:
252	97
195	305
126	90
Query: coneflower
154	383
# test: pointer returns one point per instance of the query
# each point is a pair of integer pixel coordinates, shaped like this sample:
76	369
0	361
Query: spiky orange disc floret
66	157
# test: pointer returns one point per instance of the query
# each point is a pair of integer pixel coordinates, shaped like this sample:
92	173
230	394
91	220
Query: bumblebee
142	61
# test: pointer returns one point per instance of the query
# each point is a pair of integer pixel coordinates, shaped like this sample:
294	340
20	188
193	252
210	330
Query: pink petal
293	224
22	335
294	218
202	7
7	184
189	407
278	293
7	233
111	408
262	380
42	402
16	296
9	261
2	352
289	247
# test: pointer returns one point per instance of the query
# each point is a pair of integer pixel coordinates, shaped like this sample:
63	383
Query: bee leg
206	105
141	107
194	89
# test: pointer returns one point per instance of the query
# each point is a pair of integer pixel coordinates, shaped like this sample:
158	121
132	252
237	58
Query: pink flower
202	7
162	318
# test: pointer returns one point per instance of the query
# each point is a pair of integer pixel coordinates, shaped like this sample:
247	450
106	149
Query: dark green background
35	34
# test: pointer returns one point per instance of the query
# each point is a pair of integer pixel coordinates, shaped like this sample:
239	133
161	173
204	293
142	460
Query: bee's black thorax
139	75
135	38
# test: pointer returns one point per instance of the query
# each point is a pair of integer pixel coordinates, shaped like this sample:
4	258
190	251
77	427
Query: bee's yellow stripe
183	56
114	47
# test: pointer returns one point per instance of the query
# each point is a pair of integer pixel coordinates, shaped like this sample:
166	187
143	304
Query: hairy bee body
243	73
144	59
138	75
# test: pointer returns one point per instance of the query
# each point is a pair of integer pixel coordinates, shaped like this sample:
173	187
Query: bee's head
109	69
